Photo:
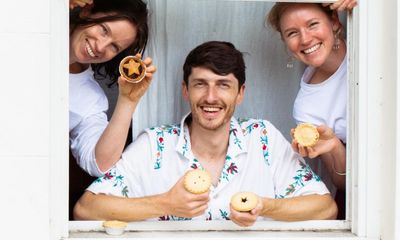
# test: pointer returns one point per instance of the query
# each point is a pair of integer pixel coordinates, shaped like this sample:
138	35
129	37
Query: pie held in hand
197	181
133	69
306	134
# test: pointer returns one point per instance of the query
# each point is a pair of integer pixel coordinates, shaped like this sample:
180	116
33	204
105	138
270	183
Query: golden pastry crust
306	134
115	224
197	181
244	201
132	68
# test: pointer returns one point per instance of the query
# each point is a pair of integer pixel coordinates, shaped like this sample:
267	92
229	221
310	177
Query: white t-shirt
259	159
87	118
323	103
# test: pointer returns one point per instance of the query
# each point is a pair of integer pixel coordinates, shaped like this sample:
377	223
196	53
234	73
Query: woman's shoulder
85	93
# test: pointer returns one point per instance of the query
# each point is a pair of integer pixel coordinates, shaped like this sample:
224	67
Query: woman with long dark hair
102	33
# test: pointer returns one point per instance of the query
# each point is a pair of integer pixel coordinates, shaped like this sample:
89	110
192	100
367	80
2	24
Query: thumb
324	130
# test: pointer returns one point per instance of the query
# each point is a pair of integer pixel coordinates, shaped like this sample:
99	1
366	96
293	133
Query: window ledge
217	230
220	235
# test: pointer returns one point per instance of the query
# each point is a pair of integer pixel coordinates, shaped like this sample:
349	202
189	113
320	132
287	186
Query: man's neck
210	147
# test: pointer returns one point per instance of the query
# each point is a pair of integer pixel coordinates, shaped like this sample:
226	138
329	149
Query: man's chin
211	125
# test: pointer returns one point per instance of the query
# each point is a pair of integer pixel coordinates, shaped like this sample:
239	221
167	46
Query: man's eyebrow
224	80
199	80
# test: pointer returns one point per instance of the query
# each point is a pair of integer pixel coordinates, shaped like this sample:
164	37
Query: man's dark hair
135	11
221	58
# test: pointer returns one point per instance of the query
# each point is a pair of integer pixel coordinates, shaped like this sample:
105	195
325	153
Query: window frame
360	210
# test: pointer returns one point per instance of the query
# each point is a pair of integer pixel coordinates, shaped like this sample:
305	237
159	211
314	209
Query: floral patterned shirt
259	159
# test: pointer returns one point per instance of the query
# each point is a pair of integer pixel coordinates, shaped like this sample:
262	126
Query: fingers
80	3
343	5
292	133
151	69
302	150
194	212
312	153
325	132
243	219
148	61
295	146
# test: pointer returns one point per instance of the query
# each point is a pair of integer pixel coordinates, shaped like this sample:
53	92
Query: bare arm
104	207
332	152
310	207
335	162
177	202
111	143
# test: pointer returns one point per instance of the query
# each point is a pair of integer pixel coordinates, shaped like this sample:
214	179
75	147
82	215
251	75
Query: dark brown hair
222	58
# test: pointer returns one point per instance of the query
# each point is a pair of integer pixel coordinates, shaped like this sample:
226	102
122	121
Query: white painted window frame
363	211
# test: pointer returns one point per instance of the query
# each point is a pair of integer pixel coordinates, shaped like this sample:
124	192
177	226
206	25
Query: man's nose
211	94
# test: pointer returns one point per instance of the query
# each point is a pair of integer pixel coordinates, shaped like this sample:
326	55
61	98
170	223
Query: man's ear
240	96
185	92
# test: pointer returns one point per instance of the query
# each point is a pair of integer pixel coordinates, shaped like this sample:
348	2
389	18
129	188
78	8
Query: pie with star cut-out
244	201
306	134
132	68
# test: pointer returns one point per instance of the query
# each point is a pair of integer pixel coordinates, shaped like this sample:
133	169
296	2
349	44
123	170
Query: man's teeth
210	109
89	50
312	49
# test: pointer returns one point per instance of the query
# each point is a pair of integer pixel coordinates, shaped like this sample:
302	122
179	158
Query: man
241	155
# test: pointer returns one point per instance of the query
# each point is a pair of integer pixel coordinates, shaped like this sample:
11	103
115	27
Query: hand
80	3
341	5
246	219
326	143
182	203
134	91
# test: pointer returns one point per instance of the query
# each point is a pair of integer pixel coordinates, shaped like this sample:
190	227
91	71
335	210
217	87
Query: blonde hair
274	16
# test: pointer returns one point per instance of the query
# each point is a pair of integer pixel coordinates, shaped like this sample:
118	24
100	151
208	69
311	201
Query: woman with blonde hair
313	35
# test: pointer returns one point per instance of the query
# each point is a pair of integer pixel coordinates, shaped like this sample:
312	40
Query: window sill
220	235
217	230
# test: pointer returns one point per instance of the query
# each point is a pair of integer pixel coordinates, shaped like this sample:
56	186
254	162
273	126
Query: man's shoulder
249	125
172	129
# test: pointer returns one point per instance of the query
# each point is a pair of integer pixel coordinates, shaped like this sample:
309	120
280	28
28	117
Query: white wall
24	103
26	58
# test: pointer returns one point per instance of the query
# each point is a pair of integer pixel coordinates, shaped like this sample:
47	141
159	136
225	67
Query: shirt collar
237	144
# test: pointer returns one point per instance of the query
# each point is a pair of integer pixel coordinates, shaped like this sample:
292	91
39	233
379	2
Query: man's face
212	98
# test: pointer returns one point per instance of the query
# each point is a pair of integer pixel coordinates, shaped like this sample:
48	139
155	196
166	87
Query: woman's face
308	33
101	42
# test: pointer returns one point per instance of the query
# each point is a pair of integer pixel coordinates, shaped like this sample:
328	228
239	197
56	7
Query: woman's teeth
312	49
89	50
